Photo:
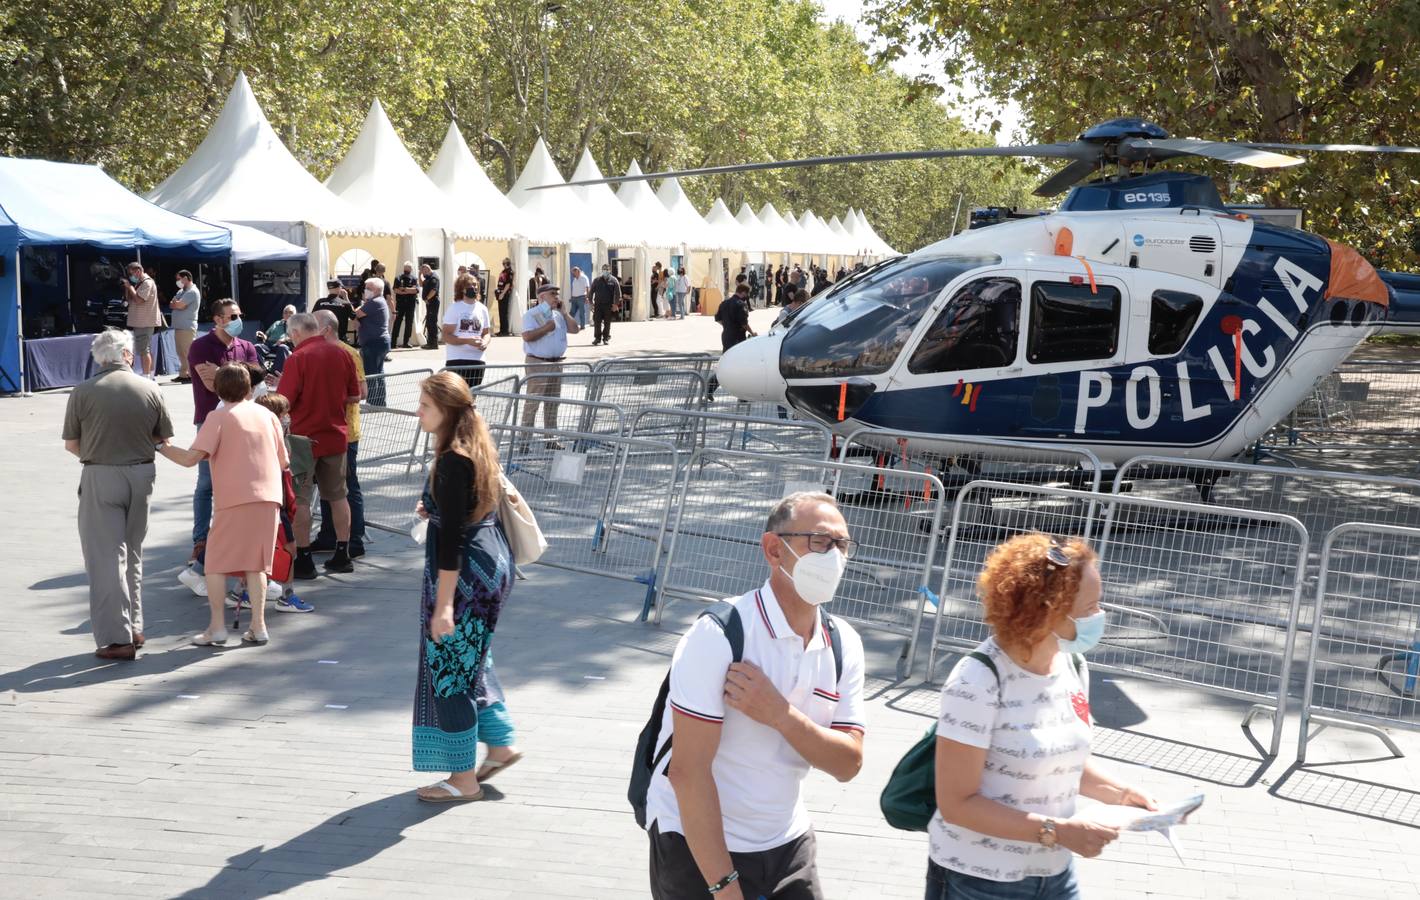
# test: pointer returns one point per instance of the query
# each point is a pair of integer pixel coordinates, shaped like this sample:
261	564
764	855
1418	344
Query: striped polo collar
771	616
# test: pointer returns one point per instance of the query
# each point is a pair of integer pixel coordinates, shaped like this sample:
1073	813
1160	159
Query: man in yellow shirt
325	538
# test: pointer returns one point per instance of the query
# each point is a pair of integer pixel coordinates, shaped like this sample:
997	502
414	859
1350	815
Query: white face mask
816	575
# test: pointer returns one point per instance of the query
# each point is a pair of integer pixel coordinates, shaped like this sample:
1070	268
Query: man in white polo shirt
545	330
726	817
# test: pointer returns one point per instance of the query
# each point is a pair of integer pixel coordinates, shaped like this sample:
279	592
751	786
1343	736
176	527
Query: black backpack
647	760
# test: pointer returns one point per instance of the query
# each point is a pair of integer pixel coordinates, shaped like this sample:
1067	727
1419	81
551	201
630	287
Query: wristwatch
1047	834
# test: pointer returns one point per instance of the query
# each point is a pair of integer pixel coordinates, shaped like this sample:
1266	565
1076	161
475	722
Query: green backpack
910	797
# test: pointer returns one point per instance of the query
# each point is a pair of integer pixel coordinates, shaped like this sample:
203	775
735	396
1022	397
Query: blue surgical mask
1088	632
233	328
133	279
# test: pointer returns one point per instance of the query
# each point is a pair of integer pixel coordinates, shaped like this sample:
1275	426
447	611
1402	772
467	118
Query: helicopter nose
750	369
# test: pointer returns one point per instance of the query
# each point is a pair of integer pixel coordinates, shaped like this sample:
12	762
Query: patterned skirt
452	673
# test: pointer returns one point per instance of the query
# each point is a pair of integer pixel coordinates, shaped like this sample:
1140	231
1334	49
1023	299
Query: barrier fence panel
704	363
1200	595
714	545
1320	500
631	391
596	518
390	459
500	372
960	460
515	409
691	430
1361	402
1363	668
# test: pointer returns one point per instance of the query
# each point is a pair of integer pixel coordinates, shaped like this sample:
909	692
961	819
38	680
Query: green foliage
1308	71
671	83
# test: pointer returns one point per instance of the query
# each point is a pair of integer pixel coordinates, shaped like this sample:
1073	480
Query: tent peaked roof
731	234
754	230
242	172
486	212
693	229
557	216
380	177
875	241
649	212
65	203
610	218
781	234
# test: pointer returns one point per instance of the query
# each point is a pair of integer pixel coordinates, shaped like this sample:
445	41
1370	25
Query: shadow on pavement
1369	799
346	839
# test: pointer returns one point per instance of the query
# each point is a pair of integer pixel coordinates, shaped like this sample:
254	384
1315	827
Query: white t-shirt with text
1036	732
470	319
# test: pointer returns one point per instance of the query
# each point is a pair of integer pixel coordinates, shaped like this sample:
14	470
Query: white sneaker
274	590
195	583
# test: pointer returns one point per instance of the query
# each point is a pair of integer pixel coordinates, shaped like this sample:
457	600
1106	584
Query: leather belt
548	358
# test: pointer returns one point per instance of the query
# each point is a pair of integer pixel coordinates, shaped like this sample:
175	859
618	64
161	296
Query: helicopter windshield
861	329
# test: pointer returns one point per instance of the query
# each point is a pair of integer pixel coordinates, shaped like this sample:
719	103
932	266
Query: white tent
610	220
756	235
242	172
653	217
484	212
253	245
784	237
554	216
874	242
729	233
379	177
846	241
690	224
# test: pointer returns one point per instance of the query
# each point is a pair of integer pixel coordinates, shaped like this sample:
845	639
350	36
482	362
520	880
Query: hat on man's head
547	289
334	282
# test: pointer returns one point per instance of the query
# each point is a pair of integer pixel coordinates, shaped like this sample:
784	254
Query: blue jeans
944	883
677	304
326	535
202	506
578	311
372	354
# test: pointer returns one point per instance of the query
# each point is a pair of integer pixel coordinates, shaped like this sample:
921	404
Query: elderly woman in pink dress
248	453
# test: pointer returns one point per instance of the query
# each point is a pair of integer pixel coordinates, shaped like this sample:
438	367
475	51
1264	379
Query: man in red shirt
319	380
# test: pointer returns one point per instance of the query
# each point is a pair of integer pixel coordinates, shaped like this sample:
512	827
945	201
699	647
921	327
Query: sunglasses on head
1056	556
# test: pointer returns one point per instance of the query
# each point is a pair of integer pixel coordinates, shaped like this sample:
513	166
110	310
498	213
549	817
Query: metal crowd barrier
1363	669
390	458
704	363
1362	406
1200	595
586	416
690	430
714	542
1320	500
632	391
957	460
598	515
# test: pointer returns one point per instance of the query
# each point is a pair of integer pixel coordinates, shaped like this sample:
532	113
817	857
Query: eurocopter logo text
1096	388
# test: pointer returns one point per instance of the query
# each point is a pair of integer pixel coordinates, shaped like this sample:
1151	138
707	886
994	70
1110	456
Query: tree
1310	71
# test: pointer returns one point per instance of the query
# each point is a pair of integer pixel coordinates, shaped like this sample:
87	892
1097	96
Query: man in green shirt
112	424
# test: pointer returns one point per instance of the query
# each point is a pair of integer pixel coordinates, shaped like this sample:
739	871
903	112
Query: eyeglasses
822	543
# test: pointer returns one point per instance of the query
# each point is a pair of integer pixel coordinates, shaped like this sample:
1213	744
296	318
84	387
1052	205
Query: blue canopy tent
62	206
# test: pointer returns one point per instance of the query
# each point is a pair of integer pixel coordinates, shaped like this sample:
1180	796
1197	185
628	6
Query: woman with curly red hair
1013	740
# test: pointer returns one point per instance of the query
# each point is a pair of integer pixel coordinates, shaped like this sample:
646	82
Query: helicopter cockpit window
1172	316
1070	322
862	329
977	330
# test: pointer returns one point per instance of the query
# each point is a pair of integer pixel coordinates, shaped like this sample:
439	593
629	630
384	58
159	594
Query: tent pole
20	319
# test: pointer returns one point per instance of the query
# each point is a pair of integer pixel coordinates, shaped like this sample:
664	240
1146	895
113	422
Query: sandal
219	639
450	794
252	637
491	767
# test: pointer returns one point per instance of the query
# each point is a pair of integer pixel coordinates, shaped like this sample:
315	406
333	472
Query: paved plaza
285	770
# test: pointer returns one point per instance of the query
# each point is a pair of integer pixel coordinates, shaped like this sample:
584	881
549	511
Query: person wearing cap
467	326
545	330
337	304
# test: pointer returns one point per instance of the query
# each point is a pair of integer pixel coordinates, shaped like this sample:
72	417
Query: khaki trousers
183	338
544	387
113	521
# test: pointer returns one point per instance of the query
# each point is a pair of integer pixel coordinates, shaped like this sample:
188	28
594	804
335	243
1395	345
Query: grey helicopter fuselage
1142	318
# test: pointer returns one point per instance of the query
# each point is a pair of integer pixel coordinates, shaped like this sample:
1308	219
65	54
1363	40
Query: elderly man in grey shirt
113	423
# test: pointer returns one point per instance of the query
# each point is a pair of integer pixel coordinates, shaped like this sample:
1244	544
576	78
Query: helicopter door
1071	327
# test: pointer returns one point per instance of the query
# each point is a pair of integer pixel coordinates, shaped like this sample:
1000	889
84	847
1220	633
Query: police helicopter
1144	316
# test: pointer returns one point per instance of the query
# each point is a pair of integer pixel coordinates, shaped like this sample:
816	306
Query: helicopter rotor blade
1062	151
1066	178
1336	148
1234	153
